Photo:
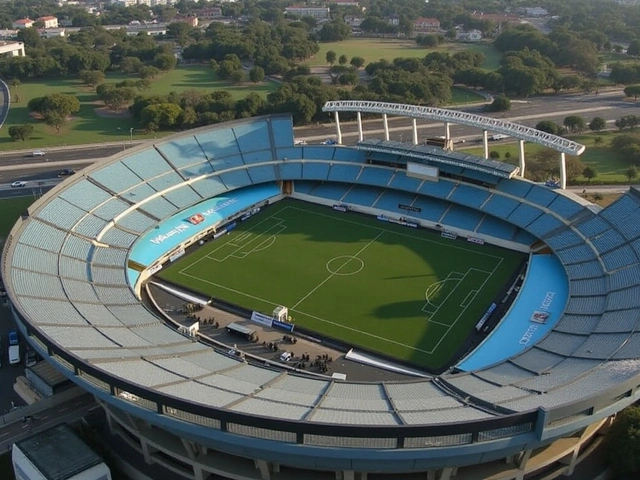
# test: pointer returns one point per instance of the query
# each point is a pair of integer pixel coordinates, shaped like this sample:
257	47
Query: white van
286	356
14	354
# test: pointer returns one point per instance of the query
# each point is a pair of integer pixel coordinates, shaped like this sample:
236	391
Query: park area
88	126
374	49
399	292
610	166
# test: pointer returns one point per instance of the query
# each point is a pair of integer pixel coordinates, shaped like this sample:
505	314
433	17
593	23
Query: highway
609	105
67	412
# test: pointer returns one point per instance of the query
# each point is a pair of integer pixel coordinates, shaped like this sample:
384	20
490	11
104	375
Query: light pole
124	145
131	136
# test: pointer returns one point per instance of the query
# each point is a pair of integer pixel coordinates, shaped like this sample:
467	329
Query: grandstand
75	267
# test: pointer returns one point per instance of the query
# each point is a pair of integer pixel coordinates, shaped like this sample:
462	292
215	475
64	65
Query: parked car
299	142
38	153
66	172
31	358
18	184
13	337
329	141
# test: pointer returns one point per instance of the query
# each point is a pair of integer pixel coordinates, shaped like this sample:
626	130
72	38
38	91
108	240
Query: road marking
63	409
4	434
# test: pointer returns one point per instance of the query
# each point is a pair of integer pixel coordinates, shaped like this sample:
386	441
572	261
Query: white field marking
344	274
393	232
223	244
489	275
435	288
433	314
241	253
353	257
229	289
358	331
467	301
239	250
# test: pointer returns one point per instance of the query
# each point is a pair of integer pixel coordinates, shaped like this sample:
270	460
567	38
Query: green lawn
374	49
611	167
404	293
89	127
10	210
462	95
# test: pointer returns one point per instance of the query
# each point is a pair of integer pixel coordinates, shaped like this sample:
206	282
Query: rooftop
58	453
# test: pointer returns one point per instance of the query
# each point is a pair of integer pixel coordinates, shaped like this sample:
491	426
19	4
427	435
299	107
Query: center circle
345	265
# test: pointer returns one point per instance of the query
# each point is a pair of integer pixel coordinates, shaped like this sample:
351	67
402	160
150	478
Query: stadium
527	399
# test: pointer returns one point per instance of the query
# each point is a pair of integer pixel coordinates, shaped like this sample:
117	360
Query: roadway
610	105
67	412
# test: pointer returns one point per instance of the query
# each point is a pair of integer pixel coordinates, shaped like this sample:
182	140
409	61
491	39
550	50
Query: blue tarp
535	312
184	225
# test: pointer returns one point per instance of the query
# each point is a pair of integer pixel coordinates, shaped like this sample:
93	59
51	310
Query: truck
14	354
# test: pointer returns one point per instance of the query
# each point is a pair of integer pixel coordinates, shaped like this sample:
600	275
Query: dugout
241	331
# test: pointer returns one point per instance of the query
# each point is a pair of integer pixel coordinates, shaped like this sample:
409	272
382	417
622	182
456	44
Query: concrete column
263	466
198	473
360	134
275	467
485	141
147	450
447	473
521	158
414	122
190	448
348	475
364	476
109	421
563	171
524	458
431	474
385	121
338	132
447	131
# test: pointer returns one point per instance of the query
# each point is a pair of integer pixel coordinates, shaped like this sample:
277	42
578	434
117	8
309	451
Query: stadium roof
462	118
427	152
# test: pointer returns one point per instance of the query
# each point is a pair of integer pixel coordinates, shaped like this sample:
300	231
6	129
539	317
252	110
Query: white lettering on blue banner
261	318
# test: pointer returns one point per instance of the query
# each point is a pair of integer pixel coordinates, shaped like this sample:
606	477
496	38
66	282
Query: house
393	19
48	21
535	12
208	13
470	36
191	21
23	23
425	25
320	13
346	3
353	21
52	32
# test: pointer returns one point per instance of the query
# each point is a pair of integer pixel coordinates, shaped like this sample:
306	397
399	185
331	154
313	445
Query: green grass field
10	210
611	166
404	293
374	49
89	127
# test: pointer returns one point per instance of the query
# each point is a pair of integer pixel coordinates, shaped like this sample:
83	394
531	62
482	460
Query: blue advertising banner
288	327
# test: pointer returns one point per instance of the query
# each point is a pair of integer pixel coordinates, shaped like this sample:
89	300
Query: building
208	13
23	23
426	25
535	12
393	19
353	21
191	21
345	3
470	36
320	13
48	21
15	49
57	454
52	32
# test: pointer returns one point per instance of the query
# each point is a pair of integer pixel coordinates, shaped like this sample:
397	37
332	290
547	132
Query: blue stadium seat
196	169
332	191
439	189
236	179
500	206
390	200
318	152
218	143
306	187
282	130
497	228
543	225
524	237
362	195
524	214
289	170
400	181
182	152
344	154
469	196
462	217
375	176
431	209
344	173
315	171
542	196
147	164
565	207
515	187
116	177
209	187
262	173
607	240
253	135
259	156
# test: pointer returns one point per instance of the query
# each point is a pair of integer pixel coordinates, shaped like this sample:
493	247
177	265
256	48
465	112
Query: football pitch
408	294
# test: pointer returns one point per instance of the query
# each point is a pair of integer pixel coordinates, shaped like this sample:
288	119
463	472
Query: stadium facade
75	294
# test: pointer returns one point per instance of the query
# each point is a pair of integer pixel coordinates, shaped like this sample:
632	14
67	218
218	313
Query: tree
548	126
632	91
494	154
58	103
631	173
165	62
55	119
160	115
597	141
357	62
499	104
237	77
343	60
91	77
623	443
148	72
256	74
334	31
634	48
590	173
131	64
597	124
21	132
15	83
331	57
574	123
